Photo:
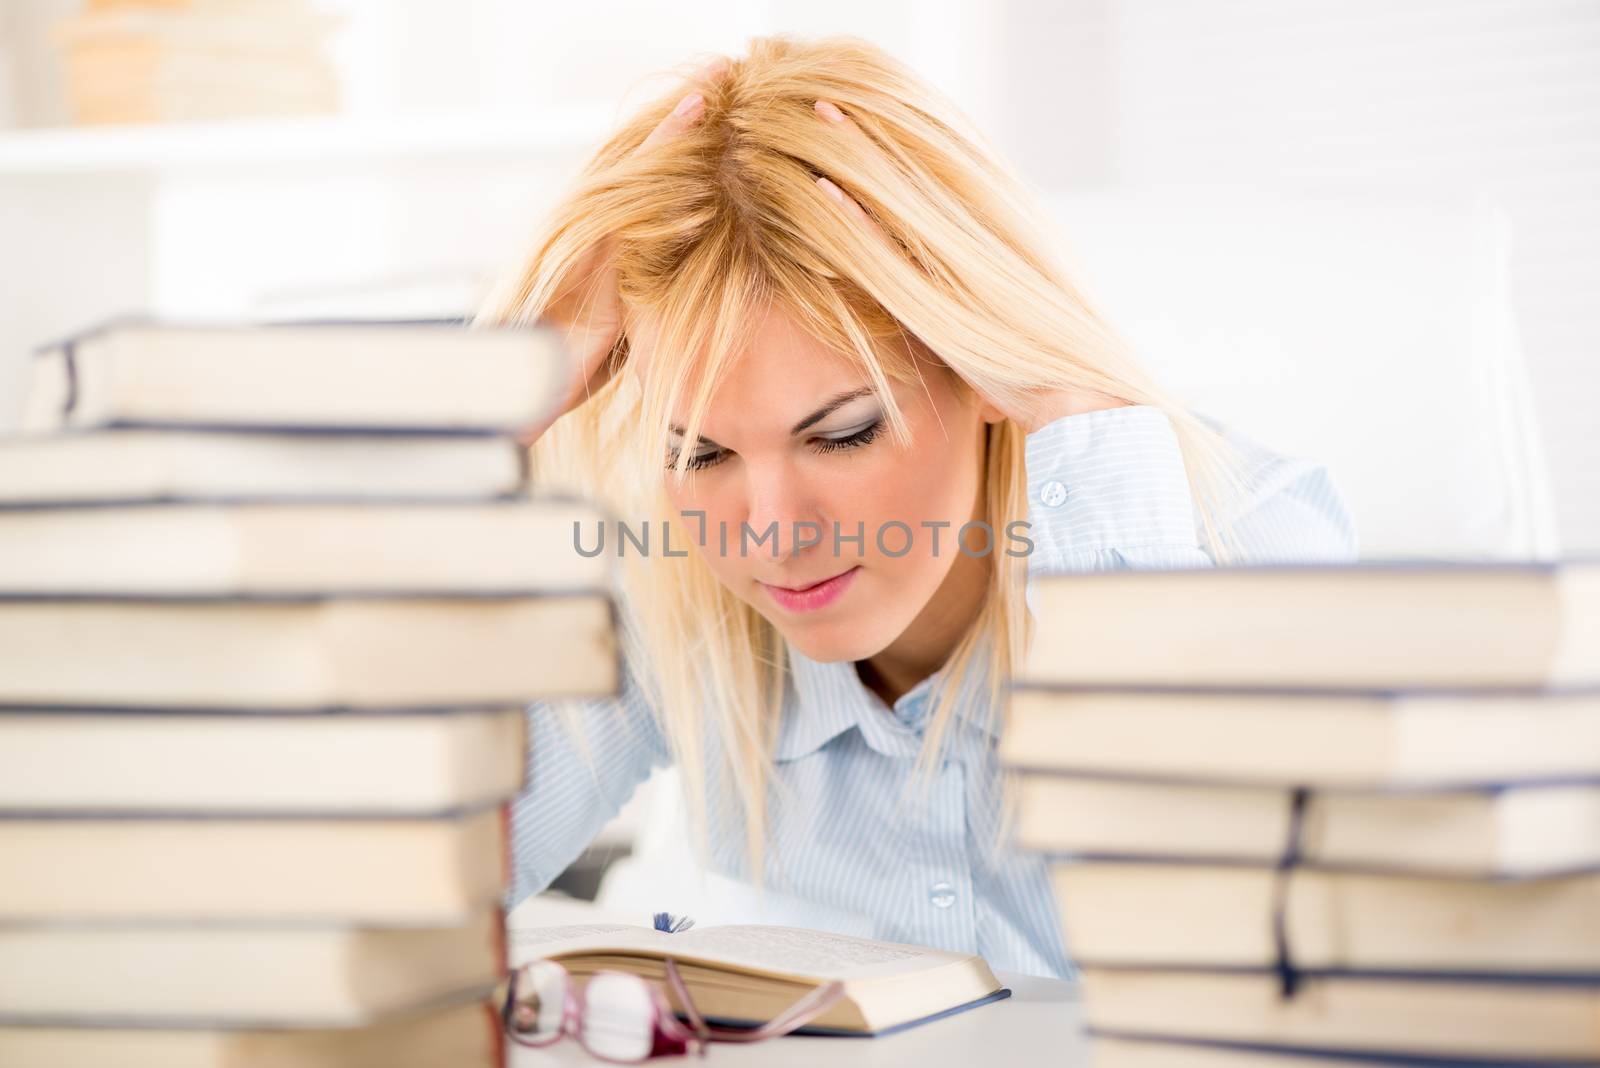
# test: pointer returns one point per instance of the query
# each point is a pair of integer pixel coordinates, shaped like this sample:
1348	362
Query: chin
837	640
826	651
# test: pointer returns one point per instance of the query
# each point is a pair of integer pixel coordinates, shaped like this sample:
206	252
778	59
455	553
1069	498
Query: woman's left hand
1050	404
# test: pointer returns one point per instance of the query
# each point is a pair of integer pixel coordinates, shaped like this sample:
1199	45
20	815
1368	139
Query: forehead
782	351
780	376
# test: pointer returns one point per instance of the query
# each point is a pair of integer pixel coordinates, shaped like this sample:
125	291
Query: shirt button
1052	493
942	894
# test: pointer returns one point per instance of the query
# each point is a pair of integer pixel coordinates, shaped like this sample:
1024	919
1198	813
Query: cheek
935	483
700	493
720	510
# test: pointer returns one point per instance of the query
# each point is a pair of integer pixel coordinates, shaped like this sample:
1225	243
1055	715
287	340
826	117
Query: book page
528	943
789	951
804	952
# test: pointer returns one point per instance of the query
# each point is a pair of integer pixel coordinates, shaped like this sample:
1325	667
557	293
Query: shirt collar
831	699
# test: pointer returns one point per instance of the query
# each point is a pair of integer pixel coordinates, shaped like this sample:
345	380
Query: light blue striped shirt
857	859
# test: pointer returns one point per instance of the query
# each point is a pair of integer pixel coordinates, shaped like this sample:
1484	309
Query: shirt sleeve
577	780
1108	490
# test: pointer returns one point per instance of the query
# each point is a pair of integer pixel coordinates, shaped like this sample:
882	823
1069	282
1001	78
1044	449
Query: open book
749	973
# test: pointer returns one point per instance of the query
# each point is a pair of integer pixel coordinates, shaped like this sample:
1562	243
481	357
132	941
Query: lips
816	596
808	586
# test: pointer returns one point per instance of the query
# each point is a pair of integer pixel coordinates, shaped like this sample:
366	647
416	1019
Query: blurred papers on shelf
1321	813
135	61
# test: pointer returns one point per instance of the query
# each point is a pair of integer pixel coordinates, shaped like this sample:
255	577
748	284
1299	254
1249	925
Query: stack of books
132	61
1305	814
273	602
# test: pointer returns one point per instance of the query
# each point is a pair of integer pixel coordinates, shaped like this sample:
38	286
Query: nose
778	495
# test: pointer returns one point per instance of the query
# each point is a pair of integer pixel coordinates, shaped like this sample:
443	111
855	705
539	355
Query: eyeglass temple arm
681	991
796	1015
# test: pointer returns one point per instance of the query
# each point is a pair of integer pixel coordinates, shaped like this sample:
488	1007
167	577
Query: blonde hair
713	223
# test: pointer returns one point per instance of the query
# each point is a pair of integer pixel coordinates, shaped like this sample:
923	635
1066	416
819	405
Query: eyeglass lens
619	1018
540	1001
619	1014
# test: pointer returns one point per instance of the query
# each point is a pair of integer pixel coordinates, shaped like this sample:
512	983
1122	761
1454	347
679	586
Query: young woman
827	358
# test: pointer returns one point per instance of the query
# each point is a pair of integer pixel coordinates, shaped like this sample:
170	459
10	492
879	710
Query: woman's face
794	446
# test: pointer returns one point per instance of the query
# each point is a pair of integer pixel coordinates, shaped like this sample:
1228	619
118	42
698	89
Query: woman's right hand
587	309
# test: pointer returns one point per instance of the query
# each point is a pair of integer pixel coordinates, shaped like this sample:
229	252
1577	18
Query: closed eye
700	459
850	439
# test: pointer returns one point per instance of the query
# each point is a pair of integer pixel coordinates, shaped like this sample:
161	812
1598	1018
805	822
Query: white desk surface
1039	1022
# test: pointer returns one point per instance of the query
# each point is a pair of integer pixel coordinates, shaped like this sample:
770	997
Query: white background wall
1432	96
464	115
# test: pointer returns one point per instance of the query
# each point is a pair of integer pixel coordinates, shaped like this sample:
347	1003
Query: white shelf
320	141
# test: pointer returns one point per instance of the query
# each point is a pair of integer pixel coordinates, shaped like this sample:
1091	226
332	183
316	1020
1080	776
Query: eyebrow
810	420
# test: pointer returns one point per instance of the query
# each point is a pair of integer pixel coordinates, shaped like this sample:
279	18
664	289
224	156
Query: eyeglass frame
665	1025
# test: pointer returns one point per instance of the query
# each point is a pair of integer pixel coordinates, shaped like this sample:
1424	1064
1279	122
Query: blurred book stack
132	61
273	601
1310	814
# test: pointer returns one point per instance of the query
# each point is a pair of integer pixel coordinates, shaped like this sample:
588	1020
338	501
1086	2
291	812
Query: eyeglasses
623	1018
